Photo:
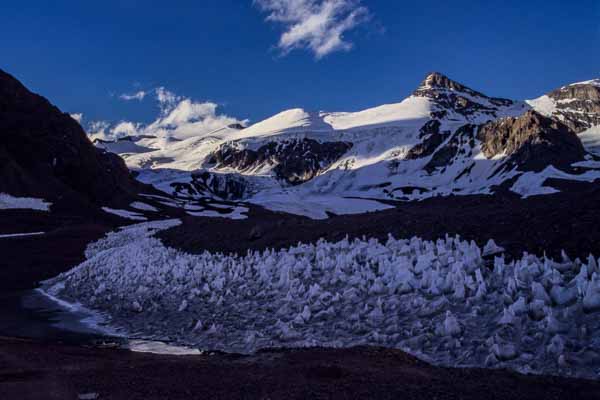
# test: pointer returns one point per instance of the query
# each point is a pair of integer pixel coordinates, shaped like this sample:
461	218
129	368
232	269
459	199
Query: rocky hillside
578	105
294	161
531	142
45	153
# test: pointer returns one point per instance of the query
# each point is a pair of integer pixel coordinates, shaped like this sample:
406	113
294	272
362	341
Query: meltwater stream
32	314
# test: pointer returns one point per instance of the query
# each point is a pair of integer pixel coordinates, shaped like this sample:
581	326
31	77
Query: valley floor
568	220
32	370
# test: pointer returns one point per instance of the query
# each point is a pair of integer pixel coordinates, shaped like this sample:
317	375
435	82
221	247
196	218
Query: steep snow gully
446	301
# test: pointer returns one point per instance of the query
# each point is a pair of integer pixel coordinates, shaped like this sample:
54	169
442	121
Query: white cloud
167	100
125	128
99	130
317	25
179	117
139	96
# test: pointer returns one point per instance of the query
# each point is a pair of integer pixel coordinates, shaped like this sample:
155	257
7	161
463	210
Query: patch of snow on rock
544	105
8	202
124	214
532	183
235	213
138	205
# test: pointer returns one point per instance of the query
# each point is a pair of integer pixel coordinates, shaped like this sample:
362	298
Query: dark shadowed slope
45	153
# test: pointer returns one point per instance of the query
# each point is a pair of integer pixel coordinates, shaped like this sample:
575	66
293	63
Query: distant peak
437	80
451	95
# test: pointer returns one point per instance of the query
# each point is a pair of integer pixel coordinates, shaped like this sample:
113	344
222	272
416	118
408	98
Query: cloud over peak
180	117
316	25
139	96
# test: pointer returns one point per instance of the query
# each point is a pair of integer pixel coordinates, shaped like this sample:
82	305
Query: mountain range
444	139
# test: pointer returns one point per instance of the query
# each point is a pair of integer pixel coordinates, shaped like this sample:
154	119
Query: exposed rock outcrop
432	139
205	183
463	140
453	96
294	161
578	105
531	141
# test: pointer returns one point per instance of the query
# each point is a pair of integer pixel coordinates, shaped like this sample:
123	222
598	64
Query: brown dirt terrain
568	220
30	370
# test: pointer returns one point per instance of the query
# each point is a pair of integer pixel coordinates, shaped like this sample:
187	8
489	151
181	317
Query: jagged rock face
451	95
294	161
462	140
432	139
531	141
44	152
578	105
225	186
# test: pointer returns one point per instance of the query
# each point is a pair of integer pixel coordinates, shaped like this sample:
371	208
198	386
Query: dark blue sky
80	54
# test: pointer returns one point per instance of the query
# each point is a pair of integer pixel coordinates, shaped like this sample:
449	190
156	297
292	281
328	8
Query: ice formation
440	300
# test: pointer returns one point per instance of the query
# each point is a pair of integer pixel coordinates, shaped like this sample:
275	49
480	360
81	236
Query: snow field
440	300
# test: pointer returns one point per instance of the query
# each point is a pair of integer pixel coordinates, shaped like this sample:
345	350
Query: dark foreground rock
30	370
67	230
28	260
45	153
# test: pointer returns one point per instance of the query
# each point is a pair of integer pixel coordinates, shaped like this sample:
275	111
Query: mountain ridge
45	153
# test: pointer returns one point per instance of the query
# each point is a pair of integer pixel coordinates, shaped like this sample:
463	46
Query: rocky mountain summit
454	97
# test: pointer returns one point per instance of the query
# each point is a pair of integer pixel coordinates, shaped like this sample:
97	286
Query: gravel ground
567	220
30	370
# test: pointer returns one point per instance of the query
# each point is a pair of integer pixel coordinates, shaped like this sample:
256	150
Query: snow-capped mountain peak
455	100
436	80
296	119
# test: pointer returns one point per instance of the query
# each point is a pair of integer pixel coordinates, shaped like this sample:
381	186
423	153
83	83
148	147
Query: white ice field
442	301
